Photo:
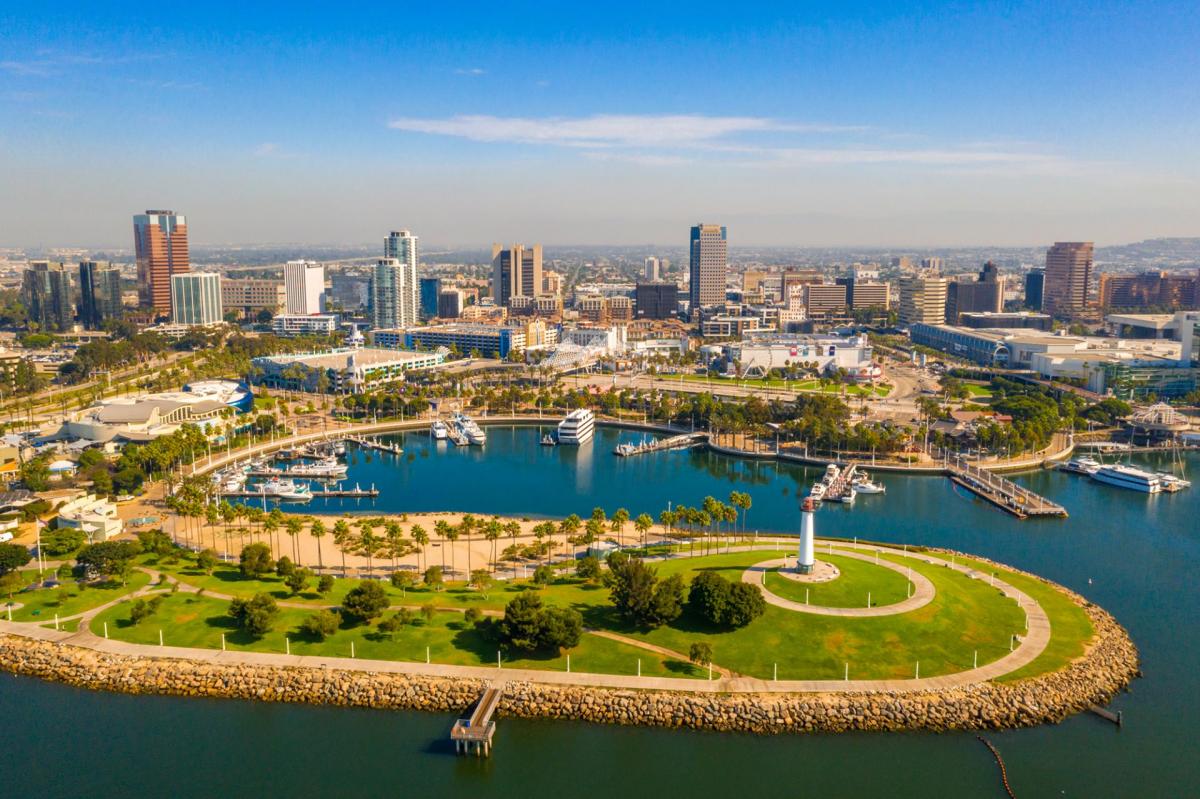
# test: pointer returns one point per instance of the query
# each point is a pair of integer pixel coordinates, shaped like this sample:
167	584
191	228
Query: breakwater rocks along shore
1108	666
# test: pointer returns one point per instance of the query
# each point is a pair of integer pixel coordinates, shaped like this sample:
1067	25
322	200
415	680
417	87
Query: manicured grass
977	391
71	598
811	384
849	590
189	620
1070	628
963	617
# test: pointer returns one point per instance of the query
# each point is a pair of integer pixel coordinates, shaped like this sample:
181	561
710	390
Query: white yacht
325	467
439	430
1128	477
577	427
286	489
864	485
1084	465
847	497
467	426
817	492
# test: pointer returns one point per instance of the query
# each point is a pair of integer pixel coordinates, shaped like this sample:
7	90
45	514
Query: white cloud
270	149
604	130
472	71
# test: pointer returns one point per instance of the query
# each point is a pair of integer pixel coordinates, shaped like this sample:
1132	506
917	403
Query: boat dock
1001	492
376	444
299	473
455	434
346	493
839	484
478	729
674	442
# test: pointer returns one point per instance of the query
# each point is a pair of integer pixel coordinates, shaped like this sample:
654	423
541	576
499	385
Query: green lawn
809	384
977	391
849	590
1070	628
189	620
71	598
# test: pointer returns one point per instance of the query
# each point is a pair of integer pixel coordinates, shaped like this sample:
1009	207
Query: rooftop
339	359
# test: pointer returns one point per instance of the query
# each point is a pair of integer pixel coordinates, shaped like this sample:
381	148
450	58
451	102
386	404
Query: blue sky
803	123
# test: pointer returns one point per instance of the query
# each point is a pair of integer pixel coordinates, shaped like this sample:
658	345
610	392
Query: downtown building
985	295
1163	290
99	293
1066	292
657	300
160	240
196	299
249	296
516	271
923	300
708	261
304	286
46	292
395	300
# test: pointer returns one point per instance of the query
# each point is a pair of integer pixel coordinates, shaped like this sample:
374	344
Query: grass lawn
71	598
977	391
1070	628
849	590
810	384
189	620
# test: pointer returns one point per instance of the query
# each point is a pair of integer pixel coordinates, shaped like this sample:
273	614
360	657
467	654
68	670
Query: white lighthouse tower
805	559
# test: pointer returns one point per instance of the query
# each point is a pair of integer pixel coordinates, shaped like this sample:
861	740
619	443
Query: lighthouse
805	559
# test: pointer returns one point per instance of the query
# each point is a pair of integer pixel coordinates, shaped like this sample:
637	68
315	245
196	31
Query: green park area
70	597
668	618
808	384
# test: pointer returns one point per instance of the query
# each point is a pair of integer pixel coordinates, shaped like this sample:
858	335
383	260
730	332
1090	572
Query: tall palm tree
293	526
442	529
421	539
341	540
642	524
317	531
619	517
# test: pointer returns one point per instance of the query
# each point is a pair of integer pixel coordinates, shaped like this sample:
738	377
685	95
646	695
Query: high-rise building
387	283
1163	290
1035	281
862	294
350	292
160	240
933	264
196	298
822	299
46	291
923	299
656	300
1067	289
251	295
99	293
709	258
431	287
551	283
451	303
402	245
653	270
985	295
304	282
516	270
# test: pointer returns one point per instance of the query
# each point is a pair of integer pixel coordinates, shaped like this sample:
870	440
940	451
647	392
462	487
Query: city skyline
834	126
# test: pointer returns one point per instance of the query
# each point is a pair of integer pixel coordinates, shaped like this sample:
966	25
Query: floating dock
350	493
475	733
376	444
1002	492
674	442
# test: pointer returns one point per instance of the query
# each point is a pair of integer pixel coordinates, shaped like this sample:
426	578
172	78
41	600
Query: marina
646	446
375	444
1001	492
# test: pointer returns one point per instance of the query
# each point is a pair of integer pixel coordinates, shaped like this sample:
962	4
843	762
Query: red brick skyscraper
160	240
1067	291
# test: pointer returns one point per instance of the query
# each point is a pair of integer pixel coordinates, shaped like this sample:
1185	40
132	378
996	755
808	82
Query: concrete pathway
922	595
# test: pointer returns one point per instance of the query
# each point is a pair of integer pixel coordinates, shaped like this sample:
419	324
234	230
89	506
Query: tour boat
439	430
1128	477
577	427
1084	465
285	489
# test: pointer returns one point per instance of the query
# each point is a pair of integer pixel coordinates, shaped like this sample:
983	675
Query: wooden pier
475	733
376	444
1001	492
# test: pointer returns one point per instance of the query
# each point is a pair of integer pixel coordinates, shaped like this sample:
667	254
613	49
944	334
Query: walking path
922	594
1031	645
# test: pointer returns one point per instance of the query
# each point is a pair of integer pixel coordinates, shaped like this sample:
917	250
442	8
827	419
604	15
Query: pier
348	493
376	444
475	732
1001	492
674	442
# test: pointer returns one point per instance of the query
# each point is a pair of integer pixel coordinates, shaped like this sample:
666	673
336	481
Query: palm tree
451	535
317	531
293	526
491	533
442	529
667	518
395	540
619	517
277	518
368	544
212	515
642	524
341	539
569	527
421	539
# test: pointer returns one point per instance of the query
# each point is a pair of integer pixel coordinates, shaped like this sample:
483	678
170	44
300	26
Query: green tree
543	575
35	473
321	625
324	584
297	581
110	559
13	557
143	609
255	615
639	595
255	560
433	577
365	601
700	653
588	568
206	560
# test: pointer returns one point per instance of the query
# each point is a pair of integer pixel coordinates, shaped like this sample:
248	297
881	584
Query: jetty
346	493
683	441
475	732
376	444
1000	491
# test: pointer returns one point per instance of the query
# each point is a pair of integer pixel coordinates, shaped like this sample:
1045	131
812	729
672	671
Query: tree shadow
681	668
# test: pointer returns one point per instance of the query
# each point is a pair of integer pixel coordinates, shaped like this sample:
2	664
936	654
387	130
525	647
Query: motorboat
439	430
817	492
549	440
325	467
625	450
577	427
847	497
471	431
1128	477
863	485
285	489
1083	465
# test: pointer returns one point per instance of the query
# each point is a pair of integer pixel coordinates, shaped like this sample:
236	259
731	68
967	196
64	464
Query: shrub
297	581
588	568
256	615
403	579
284	566
543	575
473	615
433	577
143	609
255	560
718	601
206	560
321	624
324	584
365	601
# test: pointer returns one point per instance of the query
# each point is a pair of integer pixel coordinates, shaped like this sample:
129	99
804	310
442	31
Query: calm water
1141	554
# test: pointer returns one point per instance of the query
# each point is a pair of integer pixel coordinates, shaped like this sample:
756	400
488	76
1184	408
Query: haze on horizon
837	124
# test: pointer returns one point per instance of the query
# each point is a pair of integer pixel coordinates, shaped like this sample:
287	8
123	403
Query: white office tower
805	558
653	273
401	245
304	284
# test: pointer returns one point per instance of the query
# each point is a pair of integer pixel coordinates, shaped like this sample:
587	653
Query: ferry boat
1084	465
286	489
577	427
1128	477
439	430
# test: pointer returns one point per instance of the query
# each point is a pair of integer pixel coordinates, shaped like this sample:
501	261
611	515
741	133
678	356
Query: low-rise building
250	295
144	418
341	371
94	516
758	354
291	325
491	341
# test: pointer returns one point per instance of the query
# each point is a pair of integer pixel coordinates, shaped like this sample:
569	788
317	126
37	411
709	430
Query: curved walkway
1029	648
921	596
